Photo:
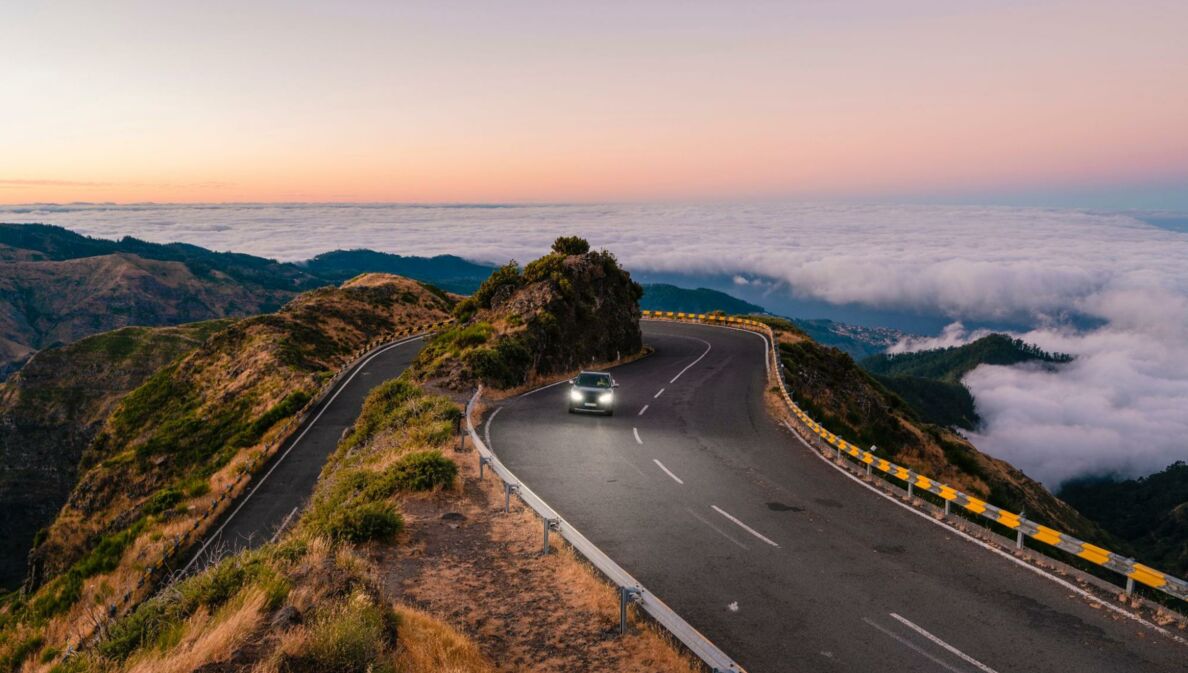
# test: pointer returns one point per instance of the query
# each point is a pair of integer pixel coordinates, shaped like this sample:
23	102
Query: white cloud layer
1122	406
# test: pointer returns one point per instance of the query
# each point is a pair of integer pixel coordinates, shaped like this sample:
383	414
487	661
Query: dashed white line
641	411
965	657
717	530
635	431
708	346
987	546
907	643
668	472
661	392
742	525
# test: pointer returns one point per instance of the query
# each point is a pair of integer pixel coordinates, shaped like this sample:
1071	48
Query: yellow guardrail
1128	567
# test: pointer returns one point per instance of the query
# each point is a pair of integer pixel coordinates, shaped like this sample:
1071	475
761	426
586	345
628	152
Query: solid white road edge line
717	530
668	472
688	366
635	431
325	406
641	411
658	394
487	426
910	645
986	545
744	526
920	630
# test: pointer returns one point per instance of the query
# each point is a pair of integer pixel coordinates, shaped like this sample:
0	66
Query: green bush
423	470
506	275
291	404
365	521
20	652
163	500
352	638
571	245
504	365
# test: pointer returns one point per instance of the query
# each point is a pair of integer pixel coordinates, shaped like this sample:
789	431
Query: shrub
423	470
364	522
290	405
352	638
21	651
571	245
506	275
163	500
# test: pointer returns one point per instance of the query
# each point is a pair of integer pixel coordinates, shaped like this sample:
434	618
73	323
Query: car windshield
594	380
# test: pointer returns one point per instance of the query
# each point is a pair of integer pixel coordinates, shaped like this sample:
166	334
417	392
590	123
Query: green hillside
930	381
449	272
1150	514
950	364
664	297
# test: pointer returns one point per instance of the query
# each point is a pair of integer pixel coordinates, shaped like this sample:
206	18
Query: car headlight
606	398
575	395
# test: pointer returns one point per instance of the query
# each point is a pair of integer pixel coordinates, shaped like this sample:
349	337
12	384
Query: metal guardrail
1132	570
246	472
630	590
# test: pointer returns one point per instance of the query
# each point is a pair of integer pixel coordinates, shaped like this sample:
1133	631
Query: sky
1049	103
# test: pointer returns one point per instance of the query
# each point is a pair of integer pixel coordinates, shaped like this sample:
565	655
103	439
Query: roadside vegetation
155	472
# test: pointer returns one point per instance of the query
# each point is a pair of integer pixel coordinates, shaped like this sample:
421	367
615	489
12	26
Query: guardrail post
483	460
911	481
626	595
948	507
461	436
549	524
1129	586
507	491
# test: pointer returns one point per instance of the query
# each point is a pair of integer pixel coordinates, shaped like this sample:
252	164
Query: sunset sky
1079	103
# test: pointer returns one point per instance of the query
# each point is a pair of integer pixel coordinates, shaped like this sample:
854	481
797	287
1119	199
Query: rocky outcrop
557	314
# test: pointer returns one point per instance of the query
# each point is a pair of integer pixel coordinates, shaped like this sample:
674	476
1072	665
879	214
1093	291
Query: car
592	392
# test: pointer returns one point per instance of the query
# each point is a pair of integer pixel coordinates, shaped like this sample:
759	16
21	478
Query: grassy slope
851	403
51	410
187	431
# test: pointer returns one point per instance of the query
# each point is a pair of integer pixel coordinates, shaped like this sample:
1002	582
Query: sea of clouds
1121	407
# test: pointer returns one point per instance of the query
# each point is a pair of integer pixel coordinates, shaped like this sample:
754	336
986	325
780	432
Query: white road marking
989	547
742	525
635	431
907	643
658	394
965	657
668	472
707	350
487	426
279	460
641	411
717	530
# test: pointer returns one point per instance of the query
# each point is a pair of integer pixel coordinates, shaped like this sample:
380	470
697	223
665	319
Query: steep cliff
51	410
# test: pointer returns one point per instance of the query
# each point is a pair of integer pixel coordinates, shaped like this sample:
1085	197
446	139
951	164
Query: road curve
286	481
781	560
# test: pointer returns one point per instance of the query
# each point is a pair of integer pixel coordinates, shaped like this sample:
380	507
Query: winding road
287	480
783	561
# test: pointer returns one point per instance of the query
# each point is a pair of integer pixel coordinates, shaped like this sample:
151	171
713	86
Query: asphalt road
780	559
285	483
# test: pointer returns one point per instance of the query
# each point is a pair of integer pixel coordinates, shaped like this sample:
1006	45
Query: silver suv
592	391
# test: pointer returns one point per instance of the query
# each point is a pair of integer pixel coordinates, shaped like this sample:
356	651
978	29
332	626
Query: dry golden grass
429	645
208	639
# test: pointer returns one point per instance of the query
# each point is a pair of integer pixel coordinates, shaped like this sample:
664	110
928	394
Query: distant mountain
57	286
930	381
856	341
665	297
1150	514
448	272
